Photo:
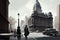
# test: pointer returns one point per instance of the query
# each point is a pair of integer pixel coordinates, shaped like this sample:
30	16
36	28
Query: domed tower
37	7
50	19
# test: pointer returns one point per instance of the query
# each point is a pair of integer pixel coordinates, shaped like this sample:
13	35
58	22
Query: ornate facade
38	20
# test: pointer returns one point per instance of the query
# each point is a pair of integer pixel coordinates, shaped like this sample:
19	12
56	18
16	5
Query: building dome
50	14
37	7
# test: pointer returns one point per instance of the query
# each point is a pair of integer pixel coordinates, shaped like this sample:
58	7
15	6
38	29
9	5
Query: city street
35	36
32	36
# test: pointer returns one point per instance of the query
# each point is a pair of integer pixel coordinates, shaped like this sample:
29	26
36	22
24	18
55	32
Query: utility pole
18	28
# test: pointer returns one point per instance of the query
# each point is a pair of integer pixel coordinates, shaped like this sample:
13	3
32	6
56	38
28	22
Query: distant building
38	20
57	19
22	25
4	16
26	20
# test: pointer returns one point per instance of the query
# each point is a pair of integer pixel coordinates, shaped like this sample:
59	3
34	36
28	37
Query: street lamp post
18	28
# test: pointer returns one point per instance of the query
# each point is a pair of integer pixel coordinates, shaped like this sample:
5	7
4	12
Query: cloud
30	4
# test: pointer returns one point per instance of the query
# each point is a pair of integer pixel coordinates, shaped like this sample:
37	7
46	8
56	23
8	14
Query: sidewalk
6	34
32	36
35	35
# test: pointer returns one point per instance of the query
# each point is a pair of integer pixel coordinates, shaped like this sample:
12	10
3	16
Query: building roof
38	11
37	7
42	15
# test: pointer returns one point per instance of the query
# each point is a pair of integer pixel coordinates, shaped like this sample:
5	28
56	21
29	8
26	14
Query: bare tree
12	22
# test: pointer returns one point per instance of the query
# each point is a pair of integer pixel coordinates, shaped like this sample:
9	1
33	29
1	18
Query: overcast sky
24	7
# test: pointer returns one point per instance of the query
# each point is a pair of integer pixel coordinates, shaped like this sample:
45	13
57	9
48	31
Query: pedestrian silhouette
26	31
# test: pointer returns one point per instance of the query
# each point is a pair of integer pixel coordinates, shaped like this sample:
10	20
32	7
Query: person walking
26	31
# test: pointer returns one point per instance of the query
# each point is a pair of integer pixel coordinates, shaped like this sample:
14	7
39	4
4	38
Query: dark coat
26	31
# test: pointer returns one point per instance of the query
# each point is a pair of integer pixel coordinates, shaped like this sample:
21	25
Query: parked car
50	31
58	35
